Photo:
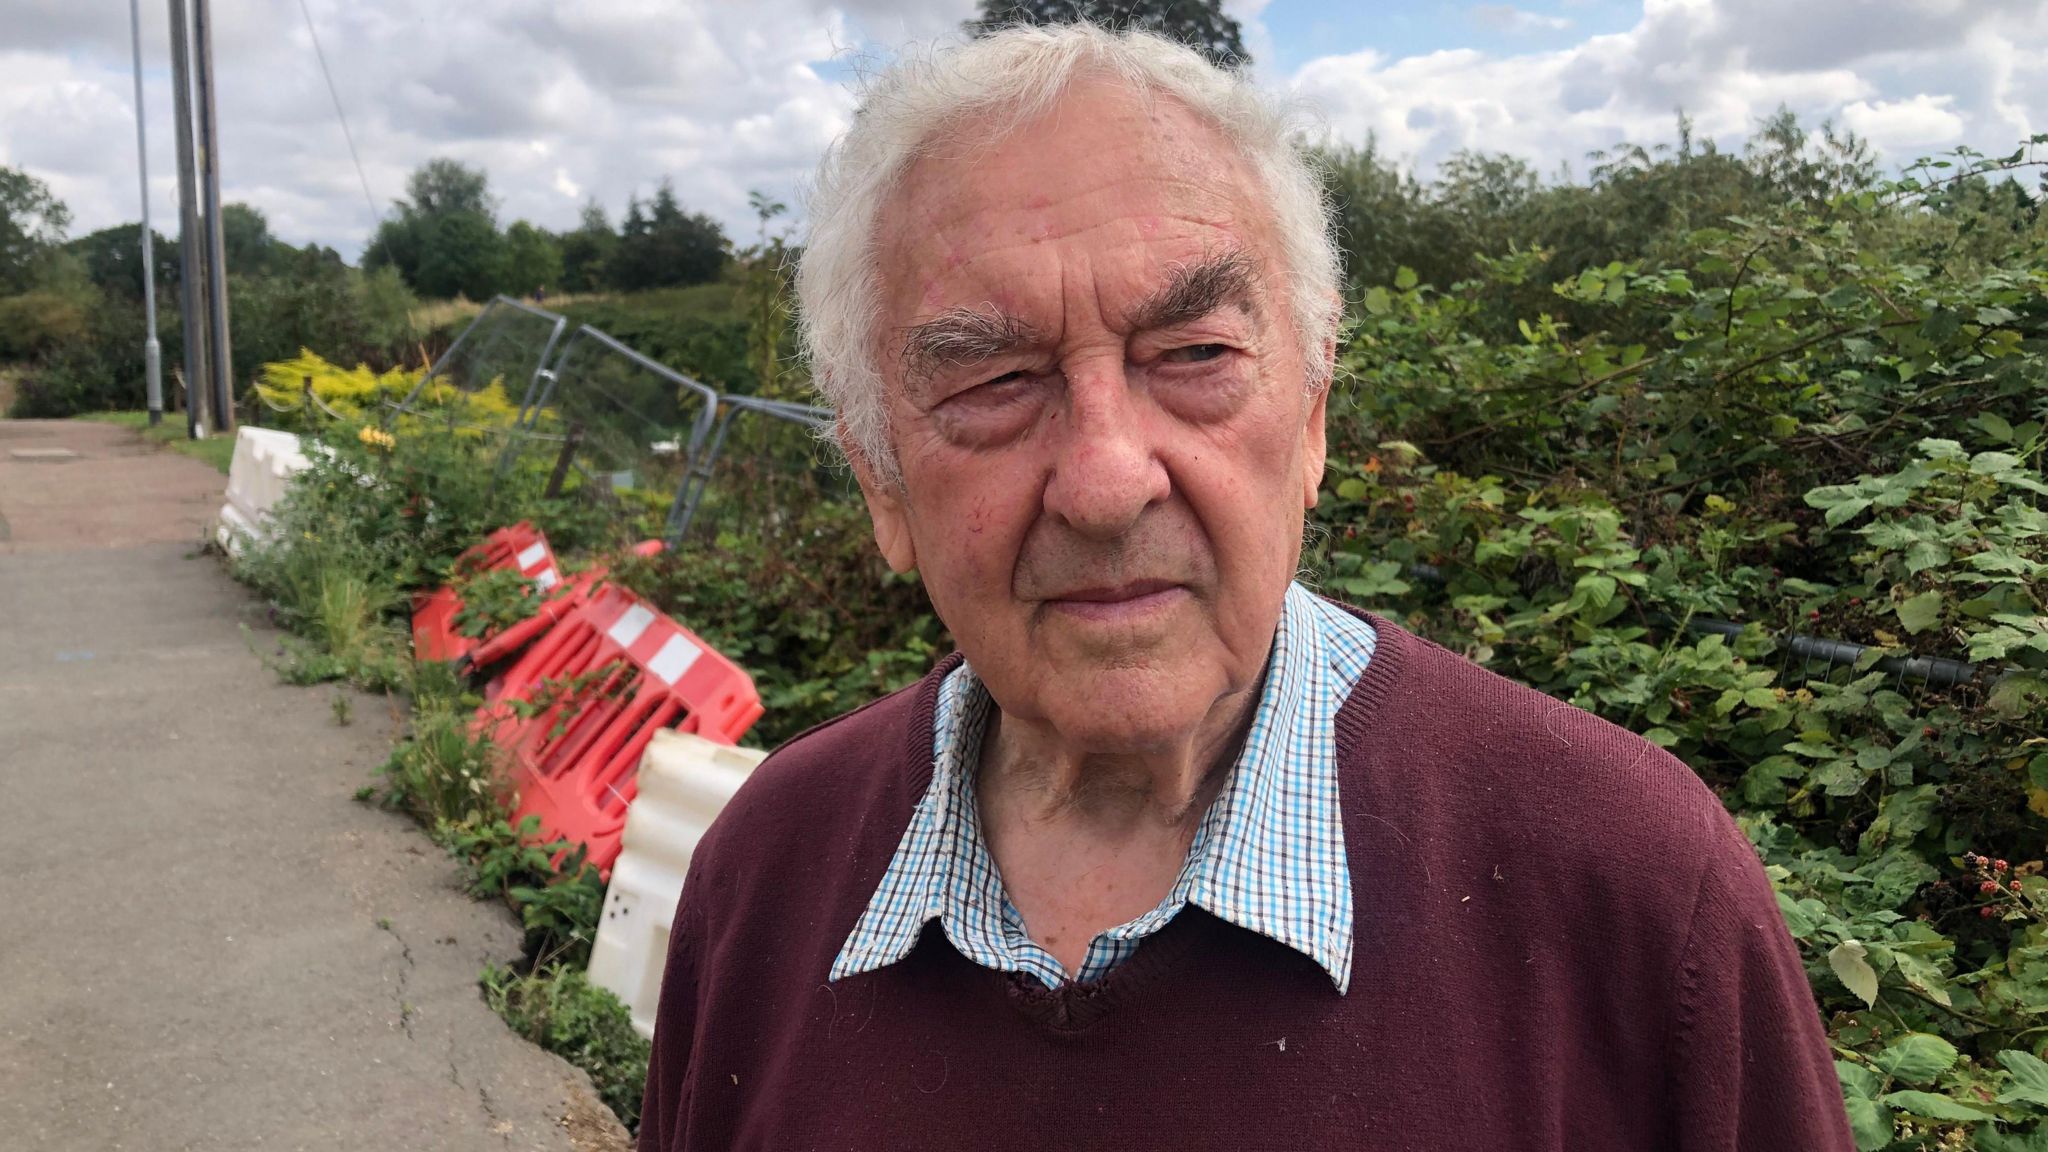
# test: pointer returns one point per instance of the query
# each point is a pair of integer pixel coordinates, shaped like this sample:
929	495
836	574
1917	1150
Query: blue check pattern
1268	856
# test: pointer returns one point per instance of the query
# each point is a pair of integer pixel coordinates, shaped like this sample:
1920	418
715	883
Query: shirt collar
1268	857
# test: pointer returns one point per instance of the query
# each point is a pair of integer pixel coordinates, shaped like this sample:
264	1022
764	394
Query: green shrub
406	510
808	608
34	324
446	777
562	1011
1823	420
697	330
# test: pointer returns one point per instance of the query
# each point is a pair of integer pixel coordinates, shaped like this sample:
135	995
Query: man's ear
1315	447
886	510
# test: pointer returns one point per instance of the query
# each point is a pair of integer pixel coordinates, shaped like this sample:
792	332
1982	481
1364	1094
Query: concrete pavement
206	944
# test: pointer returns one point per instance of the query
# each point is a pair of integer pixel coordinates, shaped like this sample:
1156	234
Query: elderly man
1175	854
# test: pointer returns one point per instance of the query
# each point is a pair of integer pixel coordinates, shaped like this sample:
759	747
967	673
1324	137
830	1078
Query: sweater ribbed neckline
1078	1005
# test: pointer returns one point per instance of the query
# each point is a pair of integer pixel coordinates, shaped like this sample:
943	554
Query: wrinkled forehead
1125	181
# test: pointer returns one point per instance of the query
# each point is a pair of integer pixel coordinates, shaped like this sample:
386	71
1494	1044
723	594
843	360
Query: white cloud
557	101
1518	21
1909	73
1896	124
604	98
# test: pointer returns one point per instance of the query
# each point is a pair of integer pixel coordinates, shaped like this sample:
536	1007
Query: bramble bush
1824	419
806	606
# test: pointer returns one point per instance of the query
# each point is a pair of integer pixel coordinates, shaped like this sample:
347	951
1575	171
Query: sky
564	101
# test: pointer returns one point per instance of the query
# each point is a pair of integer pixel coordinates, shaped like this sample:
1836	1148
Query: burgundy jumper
1562	943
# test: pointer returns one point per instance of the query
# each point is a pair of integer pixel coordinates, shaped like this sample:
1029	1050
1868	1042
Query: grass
433	314
216	450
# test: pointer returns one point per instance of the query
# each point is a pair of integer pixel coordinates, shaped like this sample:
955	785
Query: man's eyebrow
962	336
1196	290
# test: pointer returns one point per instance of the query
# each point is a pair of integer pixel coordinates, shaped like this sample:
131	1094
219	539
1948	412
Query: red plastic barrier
575	761
521	546
556	608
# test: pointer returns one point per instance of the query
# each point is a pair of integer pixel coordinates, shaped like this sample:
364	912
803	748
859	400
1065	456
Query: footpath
206	944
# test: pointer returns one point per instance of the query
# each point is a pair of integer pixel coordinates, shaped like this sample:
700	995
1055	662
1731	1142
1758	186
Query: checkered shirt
1268	857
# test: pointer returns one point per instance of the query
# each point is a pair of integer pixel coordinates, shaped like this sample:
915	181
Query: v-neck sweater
1561	942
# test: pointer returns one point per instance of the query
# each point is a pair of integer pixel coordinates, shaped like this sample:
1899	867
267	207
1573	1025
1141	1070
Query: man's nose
1105	469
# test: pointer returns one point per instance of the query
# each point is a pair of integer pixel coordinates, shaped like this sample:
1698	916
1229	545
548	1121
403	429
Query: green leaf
1858	1080
1846	510
1925	554
1404	278
1989	463
1992	1140
1921	612
1377	302
1764	783
1934	1107
1870	1122
1994	426
1924	976
2029	1077
1916	1058
2015	694
1351	488
1847	961
1596	589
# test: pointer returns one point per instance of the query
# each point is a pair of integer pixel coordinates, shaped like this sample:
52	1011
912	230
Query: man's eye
1005	378
1194	354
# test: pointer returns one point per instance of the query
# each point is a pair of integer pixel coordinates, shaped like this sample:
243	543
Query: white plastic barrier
685	781
265	461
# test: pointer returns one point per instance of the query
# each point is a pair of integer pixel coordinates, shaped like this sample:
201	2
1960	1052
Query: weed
442	774
494	600
342	709
500	856
559	1009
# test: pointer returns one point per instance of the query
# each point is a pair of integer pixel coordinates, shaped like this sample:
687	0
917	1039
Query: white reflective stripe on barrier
631	625
673	660
534	554
546	579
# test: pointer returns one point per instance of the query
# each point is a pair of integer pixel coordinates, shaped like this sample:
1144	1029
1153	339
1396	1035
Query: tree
1810	169
443	185
764	301
586	250
246	241
661	245
1199	24
461	254
533	260
444	239
32	222
113	259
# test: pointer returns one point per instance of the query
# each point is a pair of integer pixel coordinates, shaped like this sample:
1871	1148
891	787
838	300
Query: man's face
1100	414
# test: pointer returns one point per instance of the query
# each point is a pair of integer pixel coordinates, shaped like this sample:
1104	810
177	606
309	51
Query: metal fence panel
615	425
509	343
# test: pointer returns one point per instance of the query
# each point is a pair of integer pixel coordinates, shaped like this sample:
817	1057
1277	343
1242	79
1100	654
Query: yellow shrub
354	392
360	394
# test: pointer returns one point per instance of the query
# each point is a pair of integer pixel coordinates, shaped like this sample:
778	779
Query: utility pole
192	269
216	254
152	352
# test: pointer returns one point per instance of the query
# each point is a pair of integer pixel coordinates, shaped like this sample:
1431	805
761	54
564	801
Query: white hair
1015	76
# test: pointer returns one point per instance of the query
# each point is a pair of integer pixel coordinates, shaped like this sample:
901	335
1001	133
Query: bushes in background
1823	419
